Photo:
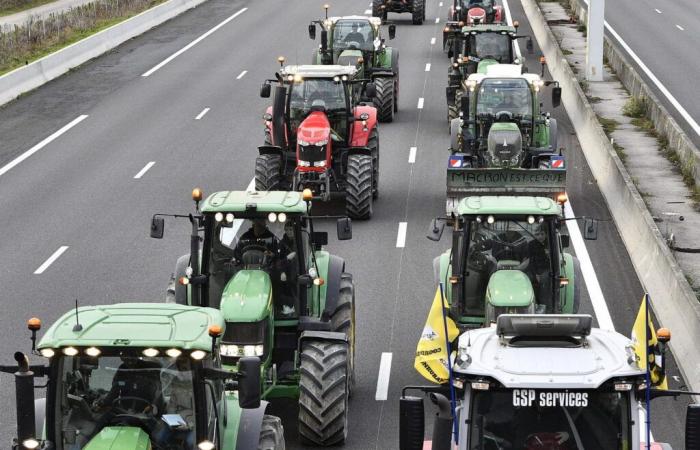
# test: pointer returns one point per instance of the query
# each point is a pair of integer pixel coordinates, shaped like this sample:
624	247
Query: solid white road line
681	110
193	43
420	103
509	21
41	145
432	41
592	286
412	155
383	378
427	67
680	27
401	236
51	260
200	115
144	170
241	75
659	12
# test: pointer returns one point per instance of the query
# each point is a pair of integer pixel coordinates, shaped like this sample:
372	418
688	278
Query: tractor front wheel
267	172
418	13
323	392
358	187
271	434
453	108
343	321
384	101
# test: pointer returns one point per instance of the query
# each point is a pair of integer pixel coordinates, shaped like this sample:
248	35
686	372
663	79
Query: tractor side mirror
249	382
265	90
392	31
590	229
371	90
312	31
565	241
692	426
319	238
556	96
530	46
344	226
411	423
157	227
437	226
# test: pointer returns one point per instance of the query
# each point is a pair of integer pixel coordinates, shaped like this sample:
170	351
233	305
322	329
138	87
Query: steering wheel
504	116
353	45
117	401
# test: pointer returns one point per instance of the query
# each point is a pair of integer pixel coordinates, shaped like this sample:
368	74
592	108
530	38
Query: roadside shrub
635	107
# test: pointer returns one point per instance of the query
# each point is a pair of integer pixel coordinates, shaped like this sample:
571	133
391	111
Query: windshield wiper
574	430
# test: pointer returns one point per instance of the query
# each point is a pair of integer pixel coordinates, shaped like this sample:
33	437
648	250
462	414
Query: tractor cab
478	46
508	257
135	375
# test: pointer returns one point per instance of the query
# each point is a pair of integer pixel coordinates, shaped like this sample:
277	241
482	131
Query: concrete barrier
33	75
673	300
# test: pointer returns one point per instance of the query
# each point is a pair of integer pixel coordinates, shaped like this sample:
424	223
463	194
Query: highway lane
79	191
664	36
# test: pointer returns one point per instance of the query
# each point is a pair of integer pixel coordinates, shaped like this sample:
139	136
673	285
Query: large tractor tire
271	434
453	109
343	321
384	101
176	292
373	144
358	187
418	13
323	392
267	172
395	69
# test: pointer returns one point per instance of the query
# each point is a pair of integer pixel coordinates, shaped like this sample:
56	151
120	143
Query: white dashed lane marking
51	260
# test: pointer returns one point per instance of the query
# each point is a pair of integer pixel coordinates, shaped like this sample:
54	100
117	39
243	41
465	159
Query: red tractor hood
314	128
476	14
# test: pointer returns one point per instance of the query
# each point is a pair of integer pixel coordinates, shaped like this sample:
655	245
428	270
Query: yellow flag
639	334
431	354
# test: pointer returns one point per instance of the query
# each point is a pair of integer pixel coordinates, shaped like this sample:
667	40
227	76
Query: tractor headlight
302	142
320	164
229	350
237	351
304	163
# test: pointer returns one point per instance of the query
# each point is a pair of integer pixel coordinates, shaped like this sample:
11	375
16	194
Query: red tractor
475	12
320	134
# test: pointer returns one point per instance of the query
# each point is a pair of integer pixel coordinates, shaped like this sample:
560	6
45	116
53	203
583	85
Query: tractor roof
505	205
489	28
319	71
505	71
375	21
261	201
548	363
135	325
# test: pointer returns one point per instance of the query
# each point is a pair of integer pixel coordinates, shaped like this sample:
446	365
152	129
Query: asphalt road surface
79	195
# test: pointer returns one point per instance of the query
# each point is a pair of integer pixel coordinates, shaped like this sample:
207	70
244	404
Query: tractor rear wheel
373	144
267	172
343	321
358	187
453	108
323	392
384	101
271	434
418	13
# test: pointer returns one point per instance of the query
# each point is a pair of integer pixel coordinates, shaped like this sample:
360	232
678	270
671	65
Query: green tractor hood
350	57
484	64
247	297
505	145
509	289
120	438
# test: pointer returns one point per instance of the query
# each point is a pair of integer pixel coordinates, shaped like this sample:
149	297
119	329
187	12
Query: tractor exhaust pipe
442	427
24	395
278	122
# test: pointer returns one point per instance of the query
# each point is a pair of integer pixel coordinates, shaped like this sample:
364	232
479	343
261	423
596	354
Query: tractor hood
316	127
350	57
509	289
505	145
247	297
120	438
484	65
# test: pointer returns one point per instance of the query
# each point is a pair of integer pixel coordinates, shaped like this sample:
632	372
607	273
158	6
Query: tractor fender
384	60
271	150
332	336
268	123
359	135
553	135
335	268
249	425
442	270
572	291
359	151
455	132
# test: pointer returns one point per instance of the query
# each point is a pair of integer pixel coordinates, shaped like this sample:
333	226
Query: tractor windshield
492	46
504	95
323	94
529	419
357	34
97	394
507	244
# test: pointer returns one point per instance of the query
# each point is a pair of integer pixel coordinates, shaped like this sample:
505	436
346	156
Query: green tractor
508	257
357	41
139	376
472	49
284	299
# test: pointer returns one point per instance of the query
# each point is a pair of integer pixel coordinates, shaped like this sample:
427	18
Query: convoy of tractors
257	310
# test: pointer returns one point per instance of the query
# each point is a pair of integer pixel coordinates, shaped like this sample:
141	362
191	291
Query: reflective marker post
594	50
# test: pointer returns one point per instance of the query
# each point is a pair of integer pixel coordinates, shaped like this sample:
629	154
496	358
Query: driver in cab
136	387
355	35
257	235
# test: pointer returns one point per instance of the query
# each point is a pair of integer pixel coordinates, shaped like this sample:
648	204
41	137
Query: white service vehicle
541	382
